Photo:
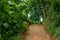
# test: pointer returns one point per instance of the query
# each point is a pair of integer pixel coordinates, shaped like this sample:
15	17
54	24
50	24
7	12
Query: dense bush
12	19
53	18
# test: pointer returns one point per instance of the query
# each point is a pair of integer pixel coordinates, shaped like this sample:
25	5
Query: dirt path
37	32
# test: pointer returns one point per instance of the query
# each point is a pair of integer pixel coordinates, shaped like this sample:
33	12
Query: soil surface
37	32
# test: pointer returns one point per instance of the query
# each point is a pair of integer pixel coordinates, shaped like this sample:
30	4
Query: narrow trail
37	32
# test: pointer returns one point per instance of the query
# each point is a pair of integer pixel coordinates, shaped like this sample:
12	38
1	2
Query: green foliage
53	18
12	19
15	15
